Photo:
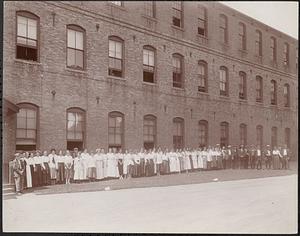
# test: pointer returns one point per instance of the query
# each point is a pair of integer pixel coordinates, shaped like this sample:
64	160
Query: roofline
257	21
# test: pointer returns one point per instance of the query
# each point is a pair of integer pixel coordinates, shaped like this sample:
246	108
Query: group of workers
34	169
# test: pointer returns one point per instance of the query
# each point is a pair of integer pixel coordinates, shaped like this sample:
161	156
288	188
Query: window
224	134
259	89
243	134
202	22
273	50
75	47
286	52
149	132
115	57
259	136
274	137
258	43
115	130
242	85
148	64
202	76
177	7
203	133
273	92
75	128
117	3
149	8
26	135
27	36
223	29
242	36
177	62
223	81
286	94
287	138
178	133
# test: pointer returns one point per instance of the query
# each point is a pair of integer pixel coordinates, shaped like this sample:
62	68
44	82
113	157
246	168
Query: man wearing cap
18	170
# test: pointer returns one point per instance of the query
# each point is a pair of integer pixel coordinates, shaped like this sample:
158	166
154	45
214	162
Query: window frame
258	43
146	8
150	48
259	79
223	30
204	21
286	95
83	113
114	3
226	83
204	77
152	118
274	137
174	9
29	106
174	69
203	124
243	77
273	92
287	137
224	125
77	28
118	40
31	16
242	36
259	135
286	54
243	134
176	138
273	54
115	114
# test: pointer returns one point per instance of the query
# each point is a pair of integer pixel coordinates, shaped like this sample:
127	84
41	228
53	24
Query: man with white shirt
158	161
46	168
268	157
258	158
285	157
38	162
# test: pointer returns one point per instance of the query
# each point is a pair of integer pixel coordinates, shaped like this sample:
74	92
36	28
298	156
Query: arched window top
241	24
243	125
76	109
286	85
259	127
115	38
178	119
242	73
223	68
258	32
224	123
286	45
223	18
149	117
178	55
28	14
273	81
115	114
204	122
149	47
27	105
202	62
75	27
258	77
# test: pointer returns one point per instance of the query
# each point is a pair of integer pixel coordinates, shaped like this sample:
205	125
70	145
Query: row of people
39	169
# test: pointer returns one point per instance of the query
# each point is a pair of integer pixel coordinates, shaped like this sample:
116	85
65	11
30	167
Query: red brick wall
33	82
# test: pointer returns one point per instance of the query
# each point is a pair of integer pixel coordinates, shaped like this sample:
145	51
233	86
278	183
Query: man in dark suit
258	158
285	157
252	157
241	154
268	157
18	170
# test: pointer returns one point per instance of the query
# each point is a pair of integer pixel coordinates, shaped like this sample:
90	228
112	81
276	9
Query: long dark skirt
46	174
61	173
120	167
33	176
39	175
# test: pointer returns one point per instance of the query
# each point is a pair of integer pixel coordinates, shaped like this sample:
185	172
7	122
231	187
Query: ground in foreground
266	205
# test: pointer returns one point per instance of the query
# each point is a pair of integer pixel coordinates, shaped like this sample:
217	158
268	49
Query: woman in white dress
92	171
194	160
52	166
99	165
77	168
200	159
112	165
187	161
68	166
28	161
84	161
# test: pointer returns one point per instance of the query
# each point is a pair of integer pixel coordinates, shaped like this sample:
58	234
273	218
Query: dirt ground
262	205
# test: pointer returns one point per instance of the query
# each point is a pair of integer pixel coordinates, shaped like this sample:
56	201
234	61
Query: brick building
143	74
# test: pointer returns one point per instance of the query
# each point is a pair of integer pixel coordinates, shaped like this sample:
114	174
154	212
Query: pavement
262	205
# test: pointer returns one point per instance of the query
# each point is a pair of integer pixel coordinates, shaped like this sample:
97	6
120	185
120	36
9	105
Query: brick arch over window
75	47
178	133
149	64
116	128
150	131
203	133
27	127
27	37
75	128
178	70
116	56
203	76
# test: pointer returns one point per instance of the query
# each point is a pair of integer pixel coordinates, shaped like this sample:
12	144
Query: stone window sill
116	78
149	17
75	70
177	28
28	62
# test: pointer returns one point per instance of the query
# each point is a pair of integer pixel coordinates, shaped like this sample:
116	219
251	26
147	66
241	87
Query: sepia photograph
150	117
